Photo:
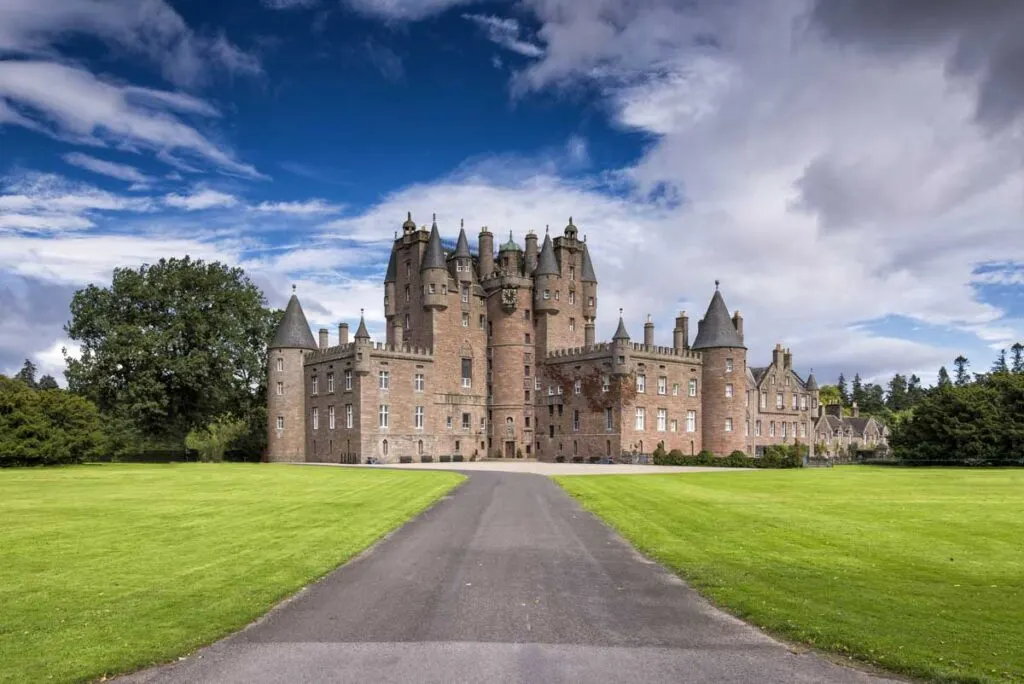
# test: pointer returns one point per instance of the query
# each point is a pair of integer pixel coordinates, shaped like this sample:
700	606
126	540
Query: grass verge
105	569
918	571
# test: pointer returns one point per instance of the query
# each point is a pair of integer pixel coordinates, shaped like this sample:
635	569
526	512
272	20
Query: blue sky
852	175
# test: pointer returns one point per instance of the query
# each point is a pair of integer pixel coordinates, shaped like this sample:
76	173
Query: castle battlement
345	351
657	350
606	348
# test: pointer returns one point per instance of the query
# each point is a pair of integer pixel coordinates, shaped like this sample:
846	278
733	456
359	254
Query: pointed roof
811	383
587	274
620	332
462	246
434	256
510	245
361	333
409	224
717	329
293	332
392	274
547	264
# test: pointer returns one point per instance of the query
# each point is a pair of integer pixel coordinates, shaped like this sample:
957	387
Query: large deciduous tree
171	345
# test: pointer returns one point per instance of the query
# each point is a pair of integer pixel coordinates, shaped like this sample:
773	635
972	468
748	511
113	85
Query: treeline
173	360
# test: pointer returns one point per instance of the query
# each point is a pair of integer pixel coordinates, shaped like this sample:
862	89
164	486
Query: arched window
419	447
384	447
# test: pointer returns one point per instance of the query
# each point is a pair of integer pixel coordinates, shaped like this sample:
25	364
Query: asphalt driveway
506	580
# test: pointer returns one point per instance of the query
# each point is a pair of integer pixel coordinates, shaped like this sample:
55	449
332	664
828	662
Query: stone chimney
486	246
323	338
588	333
679	340
834	410
854	410
399	334
531	252
648	332
777	356
737	322
787	359
343	333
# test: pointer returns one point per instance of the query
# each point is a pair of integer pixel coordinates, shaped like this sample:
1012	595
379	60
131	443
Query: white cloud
43	223
289	4
404	10
505	32
311	207
123	172
201	198
88	110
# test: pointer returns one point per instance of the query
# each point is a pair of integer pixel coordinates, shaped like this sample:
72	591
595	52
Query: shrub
777	456
213	440
560	459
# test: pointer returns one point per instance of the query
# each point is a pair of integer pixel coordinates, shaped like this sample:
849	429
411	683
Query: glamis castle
493	356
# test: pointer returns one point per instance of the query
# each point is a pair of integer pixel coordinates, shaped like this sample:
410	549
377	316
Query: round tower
589	280
286	408
486	246
547	280
724	379
434	273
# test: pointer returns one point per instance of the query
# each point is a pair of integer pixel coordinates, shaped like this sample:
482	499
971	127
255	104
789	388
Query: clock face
508	297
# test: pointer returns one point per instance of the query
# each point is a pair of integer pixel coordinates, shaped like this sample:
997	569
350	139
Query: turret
363	347
409	227
399	334
434	273
589	280
547	280
509	256
463	258
724	379
486	245
621	348
531	253
649	332
286	392
681	333
571	231
389	282
737	322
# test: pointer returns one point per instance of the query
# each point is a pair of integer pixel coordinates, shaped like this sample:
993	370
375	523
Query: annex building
493	355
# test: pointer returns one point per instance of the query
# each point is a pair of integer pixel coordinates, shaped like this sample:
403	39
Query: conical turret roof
620	332
462	246
587	274
361	333
434	257
293	332
811	383
547	264
717	329
392	274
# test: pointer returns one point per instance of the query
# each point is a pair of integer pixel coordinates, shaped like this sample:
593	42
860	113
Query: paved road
507	580
542	467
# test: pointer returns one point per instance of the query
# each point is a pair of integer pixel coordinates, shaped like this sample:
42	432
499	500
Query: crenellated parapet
347	351
638	351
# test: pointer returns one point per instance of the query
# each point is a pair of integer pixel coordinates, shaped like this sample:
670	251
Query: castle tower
486	247
531	252
286	392
390	304
362	347
589	280
463	259
434	273
621	348
724	375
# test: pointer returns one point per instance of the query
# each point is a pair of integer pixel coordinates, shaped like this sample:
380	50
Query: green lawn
920	571
107	568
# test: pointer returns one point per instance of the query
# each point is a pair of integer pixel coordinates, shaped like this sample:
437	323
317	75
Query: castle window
691	421
787	381
481	322
691	387
406	326
348	380
448	422
280	422
316	418
609	419
814	402
572	297
526	371
803	429
674	425
560	407
641	383
746	429
757	429
407	293
330	383
330	417
526	338
556	295
794	401
575	420
728	391
606	383
383	415
662	419
551	409
458	265
577	386
419	447
551	390
572	325
641	416
348	415
764	400
572	273
771	428
408	268
280	365
590	301
387	300
280	388
779	403
784	426
458	445
675	389
432	288
417	383
467	421
728	424
558	389
526	314
536	383
384	447
467	373
575	447
465	320
417	421
803	402
316	385
384	378
663	385
465	293
527	421
547	294
728	365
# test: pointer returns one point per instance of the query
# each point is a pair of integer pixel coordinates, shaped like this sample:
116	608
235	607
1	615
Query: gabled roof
547	264
462	246
293	332
758	373
620	332
434	256
392	274
587	274
716	329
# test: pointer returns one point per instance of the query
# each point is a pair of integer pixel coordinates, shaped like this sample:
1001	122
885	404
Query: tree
841	386
1017	354
897	399
828	395
961	363
914	391
47	382
857	390
943	380
27	374
172	345
213	440
1000	365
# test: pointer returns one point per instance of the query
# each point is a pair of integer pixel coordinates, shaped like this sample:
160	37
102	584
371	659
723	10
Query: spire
361	333
293	332
462	246
587	274
620	332
811	383
392	272
434	257
716	329
547	264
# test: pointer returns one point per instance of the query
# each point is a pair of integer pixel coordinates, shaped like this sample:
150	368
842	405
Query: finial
620	312
547	229
648	318
396	234
570	220
435	218
293	288
408	215
462	223
716	283
360	313
584	237
510	235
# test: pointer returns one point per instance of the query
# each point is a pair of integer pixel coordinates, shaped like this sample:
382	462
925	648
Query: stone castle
493	355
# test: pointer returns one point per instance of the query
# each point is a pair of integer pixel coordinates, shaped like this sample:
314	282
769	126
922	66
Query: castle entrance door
510	449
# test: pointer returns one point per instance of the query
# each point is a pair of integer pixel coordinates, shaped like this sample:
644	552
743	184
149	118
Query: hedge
775	456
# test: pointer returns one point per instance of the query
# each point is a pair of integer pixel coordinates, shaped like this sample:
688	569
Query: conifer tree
961	363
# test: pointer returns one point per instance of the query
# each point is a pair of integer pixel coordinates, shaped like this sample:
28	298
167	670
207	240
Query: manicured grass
104	569
920	571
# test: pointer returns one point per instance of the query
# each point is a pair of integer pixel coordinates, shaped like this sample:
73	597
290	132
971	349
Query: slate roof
547	264
510	245
434	256
716	329
293	332
620	332
361	333
392	274
758	373
587	274
812	383
462	246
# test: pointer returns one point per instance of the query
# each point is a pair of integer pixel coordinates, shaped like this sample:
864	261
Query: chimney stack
486	247
737	322
787	359
588	333
648	332
777	356
343	333
323	338
399	334
680	340
854	410
531	252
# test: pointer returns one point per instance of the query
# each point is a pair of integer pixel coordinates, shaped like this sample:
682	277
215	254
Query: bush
560	459
213	440
776	456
